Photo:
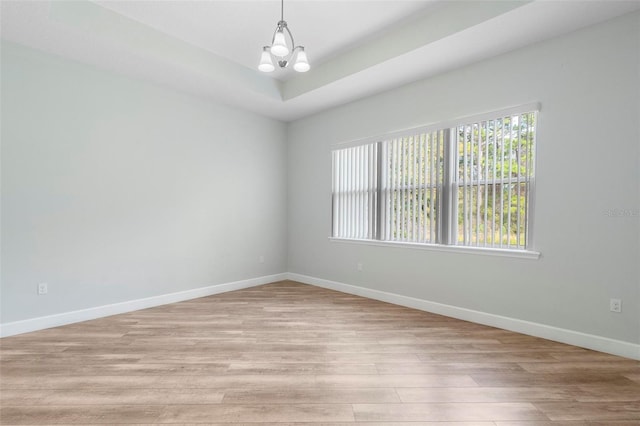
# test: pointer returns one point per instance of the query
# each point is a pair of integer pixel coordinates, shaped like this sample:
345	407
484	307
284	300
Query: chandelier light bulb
301	64
279	47
266	64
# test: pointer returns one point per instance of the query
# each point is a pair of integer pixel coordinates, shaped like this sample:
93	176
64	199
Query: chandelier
280	50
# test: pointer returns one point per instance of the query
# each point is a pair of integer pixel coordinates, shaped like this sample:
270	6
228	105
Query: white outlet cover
615	305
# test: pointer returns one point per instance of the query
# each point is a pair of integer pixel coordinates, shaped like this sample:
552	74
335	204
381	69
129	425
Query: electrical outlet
261	259
43	288
359	266
615	305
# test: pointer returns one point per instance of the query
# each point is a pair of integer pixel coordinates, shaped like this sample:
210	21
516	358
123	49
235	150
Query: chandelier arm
293	43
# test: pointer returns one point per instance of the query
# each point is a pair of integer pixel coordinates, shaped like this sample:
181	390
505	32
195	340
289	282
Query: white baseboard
575	338
589	341
40	323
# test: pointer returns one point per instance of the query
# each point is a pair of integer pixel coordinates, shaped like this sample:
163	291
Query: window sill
486	251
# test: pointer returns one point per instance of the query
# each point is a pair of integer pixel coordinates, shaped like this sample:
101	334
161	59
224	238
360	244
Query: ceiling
356	48
237	30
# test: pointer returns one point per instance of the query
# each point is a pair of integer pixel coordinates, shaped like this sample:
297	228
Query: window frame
448	238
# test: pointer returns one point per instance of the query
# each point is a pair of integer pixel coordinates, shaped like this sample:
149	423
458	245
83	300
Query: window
467	183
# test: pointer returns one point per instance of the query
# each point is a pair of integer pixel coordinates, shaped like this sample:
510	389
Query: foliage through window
468	184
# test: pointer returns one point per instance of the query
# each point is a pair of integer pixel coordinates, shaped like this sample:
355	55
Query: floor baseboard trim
575	338
584	340
41	323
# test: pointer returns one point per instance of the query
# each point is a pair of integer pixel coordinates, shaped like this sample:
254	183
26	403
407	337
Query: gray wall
115	189
588	163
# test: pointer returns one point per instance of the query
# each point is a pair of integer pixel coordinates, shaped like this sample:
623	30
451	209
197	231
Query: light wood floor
291	353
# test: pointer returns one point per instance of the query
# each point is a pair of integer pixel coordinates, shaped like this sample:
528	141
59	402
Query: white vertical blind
495	170
395	189
355	192
411	183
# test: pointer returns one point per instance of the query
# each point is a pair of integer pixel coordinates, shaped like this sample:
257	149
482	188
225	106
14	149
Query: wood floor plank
124	369
606	393
291	368
84	414
311	396
564	367
488	356
287	354
447	412
548	379
336	424
569	423
109	397
315	413
633	376
591	411
389	380
447	368
487	394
